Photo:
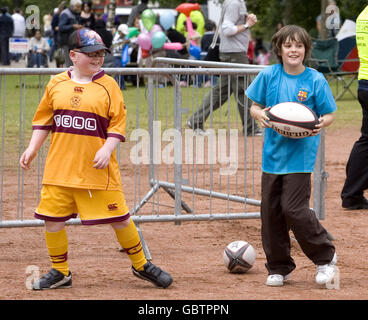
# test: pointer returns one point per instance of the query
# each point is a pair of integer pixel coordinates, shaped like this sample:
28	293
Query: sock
57	245
129	240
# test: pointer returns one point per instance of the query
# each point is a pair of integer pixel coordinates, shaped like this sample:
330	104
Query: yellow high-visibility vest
362	43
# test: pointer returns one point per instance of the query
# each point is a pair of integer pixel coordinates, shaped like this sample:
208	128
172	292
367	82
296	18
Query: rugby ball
292	119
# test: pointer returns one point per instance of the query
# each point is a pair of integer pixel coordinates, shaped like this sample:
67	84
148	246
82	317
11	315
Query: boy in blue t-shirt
287	163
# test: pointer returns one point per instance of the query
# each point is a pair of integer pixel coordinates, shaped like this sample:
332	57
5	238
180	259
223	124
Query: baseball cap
86	40
123	28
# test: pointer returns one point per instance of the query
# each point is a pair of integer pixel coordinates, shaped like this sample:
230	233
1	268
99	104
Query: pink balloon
190	29
145	41
172	46
155	28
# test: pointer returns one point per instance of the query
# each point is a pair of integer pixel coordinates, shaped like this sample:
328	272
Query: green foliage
172	3
269	12
351	9
44	6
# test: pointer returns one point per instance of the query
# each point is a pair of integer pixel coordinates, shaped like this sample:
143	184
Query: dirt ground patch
192	253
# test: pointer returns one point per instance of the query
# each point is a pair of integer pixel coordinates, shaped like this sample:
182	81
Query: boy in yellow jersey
84	110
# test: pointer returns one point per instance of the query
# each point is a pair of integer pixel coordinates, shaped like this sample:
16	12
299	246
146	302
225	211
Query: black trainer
53	280
154	274
361	204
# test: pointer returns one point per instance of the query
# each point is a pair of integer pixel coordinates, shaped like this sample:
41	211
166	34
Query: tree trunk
111	14
323	20
18	3
288	11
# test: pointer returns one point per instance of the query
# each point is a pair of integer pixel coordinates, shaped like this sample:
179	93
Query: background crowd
49	43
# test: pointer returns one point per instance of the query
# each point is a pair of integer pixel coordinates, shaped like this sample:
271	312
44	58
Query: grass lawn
349	113
18	106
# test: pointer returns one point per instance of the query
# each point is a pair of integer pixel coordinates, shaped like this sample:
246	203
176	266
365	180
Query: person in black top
106	36
207	37
87	18
68	22
6	31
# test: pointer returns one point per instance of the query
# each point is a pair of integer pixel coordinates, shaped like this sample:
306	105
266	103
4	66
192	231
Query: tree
323	19
269	12
351	9
111	14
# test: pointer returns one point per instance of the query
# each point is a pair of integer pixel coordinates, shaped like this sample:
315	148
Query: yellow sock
57	245
128	238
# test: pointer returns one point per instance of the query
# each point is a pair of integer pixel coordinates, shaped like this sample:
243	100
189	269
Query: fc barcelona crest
302	95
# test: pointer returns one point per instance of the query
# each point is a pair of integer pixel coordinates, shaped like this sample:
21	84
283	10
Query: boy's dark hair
293	33
209	25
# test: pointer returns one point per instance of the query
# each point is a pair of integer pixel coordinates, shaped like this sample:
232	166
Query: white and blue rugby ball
292	119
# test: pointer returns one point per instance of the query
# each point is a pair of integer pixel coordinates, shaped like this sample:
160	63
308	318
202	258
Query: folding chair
324	58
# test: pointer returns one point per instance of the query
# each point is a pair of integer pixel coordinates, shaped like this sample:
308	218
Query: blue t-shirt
273	85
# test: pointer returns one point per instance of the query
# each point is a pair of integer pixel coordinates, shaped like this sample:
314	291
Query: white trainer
276	280
326	272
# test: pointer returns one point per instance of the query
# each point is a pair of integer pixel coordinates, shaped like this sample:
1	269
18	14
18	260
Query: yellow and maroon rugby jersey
81	117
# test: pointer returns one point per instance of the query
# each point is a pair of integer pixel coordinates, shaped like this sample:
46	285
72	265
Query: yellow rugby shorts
93	206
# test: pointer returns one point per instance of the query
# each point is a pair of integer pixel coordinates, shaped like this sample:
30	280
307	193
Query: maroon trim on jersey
96	76
116	135
80	122
55	219
107	220
108	94
39	127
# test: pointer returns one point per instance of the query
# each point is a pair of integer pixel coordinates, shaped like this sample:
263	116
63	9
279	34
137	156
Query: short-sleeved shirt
273	85
81	117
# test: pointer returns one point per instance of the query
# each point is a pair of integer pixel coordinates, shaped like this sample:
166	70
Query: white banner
18	45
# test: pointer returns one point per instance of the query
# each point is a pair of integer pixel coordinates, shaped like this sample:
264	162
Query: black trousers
357	166
284	207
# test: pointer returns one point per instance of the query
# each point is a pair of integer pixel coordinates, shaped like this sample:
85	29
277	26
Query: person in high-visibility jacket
356	182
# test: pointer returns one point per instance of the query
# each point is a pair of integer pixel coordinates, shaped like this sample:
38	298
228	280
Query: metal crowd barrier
161	152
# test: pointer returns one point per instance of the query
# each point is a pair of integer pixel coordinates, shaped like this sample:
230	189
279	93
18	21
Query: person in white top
19	30
38	48
19	24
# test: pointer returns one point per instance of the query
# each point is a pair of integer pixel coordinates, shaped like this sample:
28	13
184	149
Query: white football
292	119
239	256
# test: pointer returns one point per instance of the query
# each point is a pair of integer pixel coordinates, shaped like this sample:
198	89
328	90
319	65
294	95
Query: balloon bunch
155	37
186	9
